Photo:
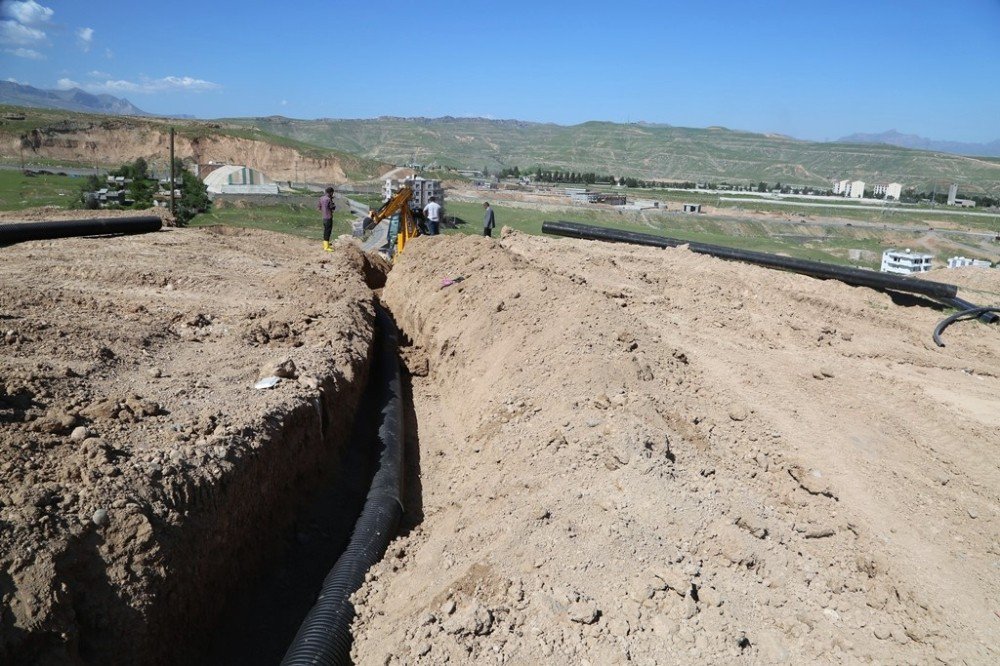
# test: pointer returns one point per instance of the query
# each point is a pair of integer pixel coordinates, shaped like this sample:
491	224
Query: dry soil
652	456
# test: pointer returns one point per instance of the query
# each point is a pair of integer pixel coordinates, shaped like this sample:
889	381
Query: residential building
854	189
423	190
905	262
959	262
888	190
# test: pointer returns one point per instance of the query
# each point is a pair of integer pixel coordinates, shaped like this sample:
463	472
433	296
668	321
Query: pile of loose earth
633	454
142	475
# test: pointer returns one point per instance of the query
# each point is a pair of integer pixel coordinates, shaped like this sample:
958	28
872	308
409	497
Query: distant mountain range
73	99
894	138
641	150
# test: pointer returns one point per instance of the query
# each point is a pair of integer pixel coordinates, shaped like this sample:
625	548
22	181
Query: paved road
893	209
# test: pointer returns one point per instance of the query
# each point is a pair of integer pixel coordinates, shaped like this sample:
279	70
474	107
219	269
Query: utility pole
172	171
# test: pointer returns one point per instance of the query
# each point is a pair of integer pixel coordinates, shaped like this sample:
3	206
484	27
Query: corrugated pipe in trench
325	634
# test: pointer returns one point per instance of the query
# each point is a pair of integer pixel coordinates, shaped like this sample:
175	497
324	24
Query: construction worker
432	211
326	206
489	220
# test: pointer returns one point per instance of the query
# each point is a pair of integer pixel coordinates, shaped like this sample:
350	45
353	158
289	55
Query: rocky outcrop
114	142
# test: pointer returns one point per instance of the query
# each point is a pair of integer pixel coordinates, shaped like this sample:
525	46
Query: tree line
141	188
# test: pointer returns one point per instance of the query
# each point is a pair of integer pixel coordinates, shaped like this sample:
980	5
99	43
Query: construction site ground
616	454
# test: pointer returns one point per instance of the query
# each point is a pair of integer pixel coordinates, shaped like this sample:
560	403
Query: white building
854	189
888	190
959	262
905	262
423	190
952	193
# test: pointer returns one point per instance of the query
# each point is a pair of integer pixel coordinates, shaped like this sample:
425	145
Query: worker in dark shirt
326	206
489	221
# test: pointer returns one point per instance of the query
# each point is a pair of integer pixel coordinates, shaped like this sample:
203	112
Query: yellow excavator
406	227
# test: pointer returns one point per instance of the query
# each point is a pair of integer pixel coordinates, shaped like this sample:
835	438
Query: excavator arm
399	203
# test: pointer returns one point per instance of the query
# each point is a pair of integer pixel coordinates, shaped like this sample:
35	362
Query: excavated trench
262	613
619	448
218	552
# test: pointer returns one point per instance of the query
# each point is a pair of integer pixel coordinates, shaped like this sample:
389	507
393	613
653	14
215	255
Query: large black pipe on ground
325	635
29	231
854	276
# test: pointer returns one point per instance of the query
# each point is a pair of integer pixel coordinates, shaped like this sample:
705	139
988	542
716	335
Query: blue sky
813	70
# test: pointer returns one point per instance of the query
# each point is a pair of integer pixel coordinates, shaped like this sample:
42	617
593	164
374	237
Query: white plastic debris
267	382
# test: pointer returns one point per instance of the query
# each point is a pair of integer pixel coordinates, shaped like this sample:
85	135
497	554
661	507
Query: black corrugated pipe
325	635
854	276
987	316
20	232
963	314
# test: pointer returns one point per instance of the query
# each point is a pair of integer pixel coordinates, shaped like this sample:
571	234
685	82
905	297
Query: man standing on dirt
489	221
326	206
432	211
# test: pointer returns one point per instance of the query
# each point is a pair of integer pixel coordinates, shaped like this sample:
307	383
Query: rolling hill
637	149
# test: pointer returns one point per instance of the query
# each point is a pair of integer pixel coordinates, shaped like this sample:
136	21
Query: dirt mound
631	454
141	473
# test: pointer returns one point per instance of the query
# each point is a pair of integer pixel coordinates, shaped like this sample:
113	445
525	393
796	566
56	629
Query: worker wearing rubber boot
326	206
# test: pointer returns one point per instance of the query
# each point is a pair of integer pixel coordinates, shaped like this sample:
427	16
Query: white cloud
11	79
17	21
27	12
86	37
66	84
109	54
284	102
18	34
146	85
22	52
96	74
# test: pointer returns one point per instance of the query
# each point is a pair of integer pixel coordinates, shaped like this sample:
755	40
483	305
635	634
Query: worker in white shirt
432	211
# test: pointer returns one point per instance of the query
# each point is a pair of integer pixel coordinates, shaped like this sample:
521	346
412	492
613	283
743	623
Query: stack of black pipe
855	276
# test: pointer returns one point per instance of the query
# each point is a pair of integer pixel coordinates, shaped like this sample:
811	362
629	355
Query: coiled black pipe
854	276
947	321
20	232
987	316
325	635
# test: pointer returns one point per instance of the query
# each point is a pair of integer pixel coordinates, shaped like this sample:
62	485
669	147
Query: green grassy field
808	239
296	219
19	191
